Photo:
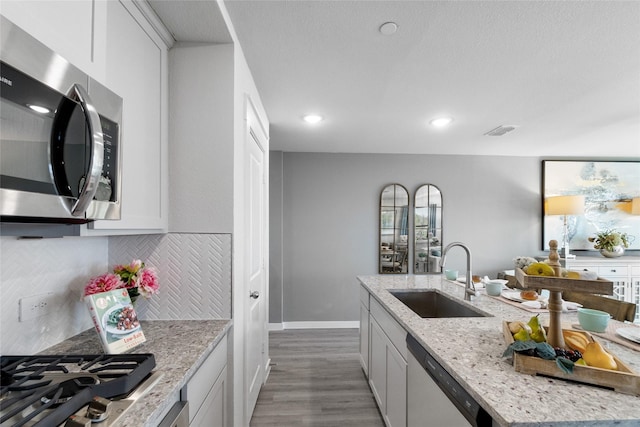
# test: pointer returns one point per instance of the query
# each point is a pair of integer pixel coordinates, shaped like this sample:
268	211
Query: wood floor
315	380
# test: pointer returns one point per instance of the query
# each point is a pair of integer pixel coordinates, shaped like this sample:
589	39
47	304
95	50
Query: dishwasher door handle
178	416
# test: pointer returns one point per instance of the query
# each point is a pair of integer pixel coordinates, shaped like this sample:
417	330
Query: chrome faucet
469	288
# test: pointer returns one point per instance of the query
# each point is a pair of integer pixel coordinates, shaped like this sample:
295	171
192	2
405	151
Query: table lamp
565	205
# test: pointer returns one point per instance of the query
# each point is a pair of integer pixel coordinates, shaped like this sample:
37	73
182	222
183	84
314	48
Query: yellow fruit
575	340
540	269
581	362
575	344
573	275
596	356
538	334
522	335
515	327
580	334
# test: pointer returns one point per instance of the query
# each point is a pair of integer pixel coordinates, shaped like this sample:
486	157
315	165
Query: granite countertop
179	348
470	349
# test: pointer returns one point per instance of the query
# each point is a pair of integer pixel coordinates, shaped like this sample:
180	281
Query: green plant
609	239
422	255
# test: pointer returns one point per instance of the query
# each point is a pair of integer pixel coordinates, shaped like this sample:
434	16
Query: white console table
624	272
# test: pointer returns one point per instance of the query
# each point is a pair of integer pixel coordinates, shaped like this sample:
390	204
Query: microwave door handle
90	186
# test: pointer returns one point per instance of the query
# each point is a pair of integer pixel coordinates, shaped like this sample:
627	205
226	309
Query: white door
256	347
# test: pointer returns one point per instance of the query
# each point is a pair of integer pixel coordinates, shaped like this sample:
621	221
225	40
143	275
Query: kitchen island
179	346
470	349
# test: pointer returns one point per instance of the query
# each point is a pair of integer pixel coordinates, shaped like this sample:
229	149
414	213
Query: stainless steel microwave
60	147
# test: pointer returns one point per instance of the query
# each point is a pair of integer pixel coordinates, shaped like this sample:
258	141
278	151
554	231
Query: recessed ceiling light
440	122
313	118
388	28
39	109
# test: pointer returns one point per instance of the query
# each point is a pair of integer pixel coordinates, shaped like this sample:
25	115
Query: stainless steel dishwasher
434	397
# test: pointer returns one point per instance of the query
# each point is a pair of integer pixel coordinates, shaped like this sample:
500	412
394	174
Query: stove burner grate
52	388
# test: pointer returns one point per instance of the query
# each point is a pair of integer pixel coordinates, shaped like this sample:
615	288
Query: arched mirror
394	230
427	227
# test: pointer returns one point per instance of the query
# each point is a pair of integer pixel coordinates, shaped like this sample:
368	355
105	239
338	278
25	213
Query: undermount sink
433	304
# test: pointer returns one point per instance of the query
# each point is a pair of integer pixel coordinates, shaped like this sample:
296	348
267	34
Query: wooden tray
599	286
624	380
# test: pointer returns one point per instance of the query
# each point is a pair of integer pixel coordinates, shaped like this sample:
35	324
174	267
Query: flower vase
615	252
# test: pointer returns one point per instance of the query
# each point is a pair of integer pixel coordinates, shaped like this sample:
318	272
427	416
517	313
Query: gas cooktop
72	390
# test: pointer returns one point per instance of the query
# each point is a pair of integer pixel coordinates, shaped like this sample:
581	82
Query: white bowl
494	287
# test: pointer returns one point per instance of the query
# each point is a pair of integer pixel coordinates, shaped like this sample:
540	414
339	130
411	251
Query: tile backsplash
194	272
32	267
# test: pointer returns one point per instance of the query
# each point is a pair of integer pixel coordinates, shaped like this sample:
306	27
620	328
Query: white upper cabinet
136	69
69	28
114	43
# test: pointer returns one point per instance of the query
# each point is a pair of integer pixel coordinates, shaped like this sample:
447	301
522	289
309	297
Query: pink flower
106	282
148	282
134	277
129	273
135	265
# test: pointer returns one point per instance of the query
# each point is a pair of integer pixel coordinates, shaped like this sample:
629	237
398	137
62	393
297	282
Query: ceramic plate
632	334
513	296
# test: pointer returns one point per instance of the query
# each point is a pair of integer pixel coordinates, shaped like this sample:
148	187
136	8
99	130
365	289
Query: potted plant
422	256
611	243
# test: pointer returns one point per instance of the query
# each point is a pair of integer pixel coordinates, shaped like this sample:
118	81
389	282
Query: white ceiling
567	73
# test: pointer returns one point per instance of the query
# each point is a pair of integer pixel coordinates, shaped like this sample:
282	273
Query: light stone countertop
179	348
470	349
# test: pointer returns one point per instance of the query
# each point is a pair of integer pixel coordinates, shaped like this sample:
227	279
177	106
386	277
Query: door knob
254	294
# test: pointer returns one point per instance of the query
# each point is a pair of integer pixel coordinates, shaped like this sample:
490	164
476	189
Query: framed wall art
611	193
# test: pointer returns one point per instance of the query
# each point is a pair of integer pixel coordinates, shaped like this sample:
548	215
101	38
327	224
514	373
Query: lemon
540	269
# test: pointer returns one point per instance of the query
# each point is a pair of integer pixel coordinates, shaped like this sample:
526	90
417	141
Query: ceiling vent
501	130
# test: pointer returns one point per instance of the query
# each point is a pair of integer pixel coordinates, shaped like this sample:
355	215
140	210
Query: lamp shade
635	206
564	205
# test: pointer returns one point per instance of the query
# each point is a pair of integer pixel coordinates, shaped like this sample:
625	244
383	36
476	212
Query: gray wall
324	219
275	236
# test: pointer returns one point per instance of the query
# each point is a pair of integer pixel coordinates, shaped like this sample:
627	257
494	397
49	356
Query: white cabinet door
206	391
136	64
213	410
378	364
66	27
364	339
387	376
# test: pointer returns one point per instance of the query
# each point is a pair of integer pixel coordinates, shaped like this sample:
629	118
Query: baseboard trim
274	327
321	325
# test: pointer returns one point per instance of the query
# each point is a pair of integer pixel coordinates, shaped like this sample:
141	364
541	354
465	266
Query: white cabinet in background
624	272
136	69
364	330
206	391
634	279
388	365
